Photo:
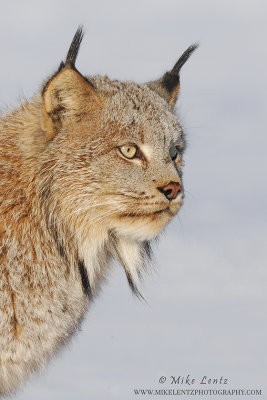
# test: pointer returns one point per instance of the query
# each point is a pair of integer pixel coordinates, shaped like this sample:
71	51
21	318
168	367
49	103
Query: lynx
90	171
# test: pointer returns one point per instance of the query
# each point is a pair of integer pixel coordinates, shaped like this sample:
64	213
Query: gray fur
70	202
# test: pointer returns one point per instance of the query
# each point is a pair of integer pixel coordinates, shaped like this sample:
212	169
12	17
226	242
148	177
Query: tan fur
70	201
174	96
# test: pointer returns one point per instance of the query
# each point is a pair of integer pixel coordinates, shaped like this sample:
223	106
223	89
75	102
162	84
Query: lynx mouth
166	209
144	214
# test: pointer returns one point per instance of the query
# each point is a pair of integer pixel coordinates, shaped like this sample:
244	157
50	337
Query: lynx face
112	160
144	188
124	192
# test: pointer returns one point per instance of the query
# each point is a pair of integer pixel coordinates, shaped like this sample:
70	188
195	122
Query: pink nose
171	190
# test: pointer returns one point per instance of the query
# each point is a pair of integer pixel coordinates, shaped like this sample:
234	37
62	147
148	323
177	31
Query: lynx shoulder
90	170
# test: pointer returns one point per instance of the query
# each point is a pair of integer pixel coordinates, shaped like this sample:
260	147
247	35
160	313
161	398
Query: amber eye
128	150
173	152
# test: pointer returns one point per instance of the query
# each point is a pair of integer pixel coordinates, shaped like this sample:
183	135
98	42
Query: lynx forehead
90	170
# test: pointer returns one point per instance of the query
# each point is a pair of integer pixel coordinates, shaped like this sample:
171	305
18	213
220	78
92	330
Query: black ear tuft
172	78
182	60
74	48
169	84
71	57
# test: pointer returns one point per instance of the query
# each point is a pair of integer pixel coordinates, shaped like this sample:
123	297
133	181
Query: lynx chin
90	171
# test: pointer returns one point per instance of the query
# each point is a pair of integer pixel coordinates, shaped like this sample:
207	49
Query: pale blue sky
207	296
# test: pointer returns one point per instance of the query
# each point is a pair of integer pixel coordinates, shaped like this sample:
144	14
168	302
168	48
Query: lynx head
111	169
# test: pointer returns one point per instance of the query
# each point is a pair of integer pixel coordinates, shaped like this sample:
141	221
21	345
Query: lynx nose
171	190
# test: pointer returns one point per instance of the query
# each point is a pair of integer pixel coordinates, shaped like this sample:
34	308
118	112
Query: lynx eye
173	152
128	150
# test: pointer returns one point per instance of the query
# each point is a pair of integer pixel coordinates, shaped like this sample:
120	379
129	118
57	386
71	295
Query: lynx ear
168	86
67	92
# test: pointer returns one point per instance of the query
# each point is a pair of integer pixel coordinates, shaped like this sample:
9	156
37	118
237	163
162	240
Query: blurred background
206	298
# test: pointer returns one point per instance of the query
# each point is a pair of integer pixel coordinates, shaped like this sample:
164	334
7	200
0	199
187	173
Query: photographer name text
189	380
